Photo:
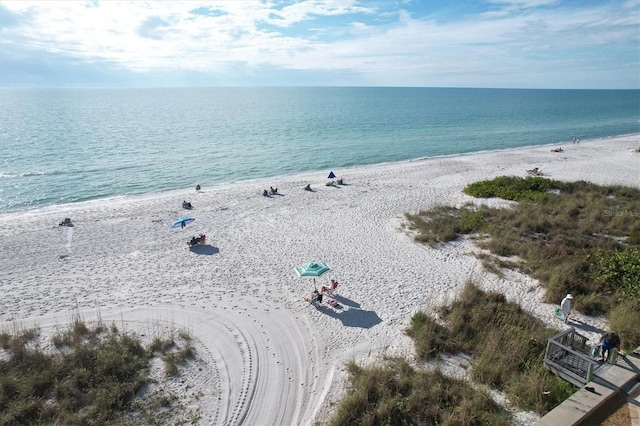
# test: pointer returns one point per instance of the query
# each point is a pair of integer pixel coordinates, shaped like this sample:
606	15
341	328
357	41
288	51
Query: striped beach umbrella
313	270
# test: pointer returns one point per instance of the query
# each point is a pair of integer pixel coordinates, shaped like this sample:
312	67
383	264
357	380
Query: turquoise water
68	145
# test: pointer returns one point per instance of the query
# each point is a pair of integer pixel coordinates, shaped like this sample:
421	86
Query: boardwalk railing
569	356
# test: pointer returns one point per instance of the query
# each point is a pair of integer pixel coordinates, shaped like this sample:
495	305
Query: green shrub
512	188
618	271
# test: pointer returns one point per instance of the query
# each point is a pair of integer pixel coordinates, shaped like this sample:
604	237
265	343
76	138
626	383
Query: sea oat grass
506	345
91	376
625	317
395	393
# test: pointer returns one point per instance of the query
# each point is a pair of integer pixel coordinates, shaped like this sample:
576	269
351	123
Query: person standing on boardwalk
609	341
565	305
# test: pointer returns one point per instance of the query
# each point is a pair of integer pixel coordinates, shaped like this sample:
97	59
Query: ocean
63	146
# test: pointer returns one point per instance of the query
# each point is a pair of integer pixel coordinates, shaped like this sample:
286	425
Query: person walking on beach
565	305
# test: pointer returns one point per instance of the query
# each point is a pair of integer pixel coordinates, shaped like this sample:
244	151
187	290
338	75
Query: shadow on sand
206	249
345	301
579	325
353	317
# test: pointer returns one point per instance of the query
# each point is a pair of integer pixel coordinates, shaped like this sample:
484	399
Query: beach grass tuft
506	343
92	375
395	393
624	318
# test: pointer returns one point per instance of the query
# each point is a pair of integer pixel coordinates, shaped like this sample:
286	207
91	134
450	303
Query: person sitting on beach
265	193
313	297
557	150
273	190
308	187
333	285
194	241
331	183
65	222
340	181
186	205
197	187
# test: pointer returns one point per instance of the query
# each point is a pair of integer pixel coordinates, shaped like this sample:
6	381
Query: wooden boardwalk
622	377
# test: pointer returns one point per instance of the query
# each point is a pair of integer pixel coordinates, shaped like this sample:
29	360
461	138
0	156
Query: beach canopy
331	175
181	222
313	270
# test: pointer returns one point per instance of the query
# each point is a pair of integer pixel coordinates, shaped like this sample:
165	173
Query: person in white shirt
565	305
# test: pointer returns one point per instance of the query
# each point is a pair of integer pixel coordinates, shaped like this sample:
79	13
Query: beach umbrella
313	270
181	222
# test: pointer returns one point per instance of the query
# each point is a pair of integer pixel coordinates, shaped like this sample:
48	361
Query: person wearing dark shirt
609	341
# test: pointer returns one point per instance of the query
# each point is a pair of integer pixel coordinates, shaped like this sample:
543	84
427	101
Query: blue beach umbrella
180	223
313	270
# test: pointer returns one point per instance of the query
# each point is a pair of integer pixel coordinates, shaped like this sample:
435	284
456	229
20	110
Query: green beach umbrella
313	270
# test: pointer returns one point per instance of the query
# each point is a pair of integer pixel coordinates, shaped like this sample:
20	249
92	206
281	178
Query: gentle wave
66	146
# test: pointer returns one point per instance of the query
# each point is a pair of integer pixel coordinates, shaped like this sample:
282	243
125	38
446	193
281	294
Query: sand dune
265	356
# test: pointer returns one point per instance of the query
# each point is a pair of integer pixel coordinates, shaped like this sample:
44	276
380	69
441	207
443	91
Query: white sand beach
265	356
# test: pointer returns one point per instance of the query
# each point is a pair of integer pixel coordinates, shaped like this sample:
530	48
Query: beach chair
331	290
314	298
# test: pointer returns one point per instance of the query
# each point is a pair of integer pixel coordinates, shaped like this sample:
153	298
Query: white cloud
166	36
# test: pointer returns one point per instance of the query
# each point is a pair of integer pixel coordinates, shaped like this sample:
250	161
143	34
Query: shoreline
124	198
270	357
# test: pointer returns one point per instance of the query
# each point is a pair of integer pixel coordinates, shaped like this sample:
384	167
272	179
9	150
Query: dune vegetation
577	238
88	375
395	393
506	346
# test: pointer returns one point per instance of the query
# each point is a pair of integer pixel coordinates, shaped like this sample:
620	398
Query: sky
559	44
